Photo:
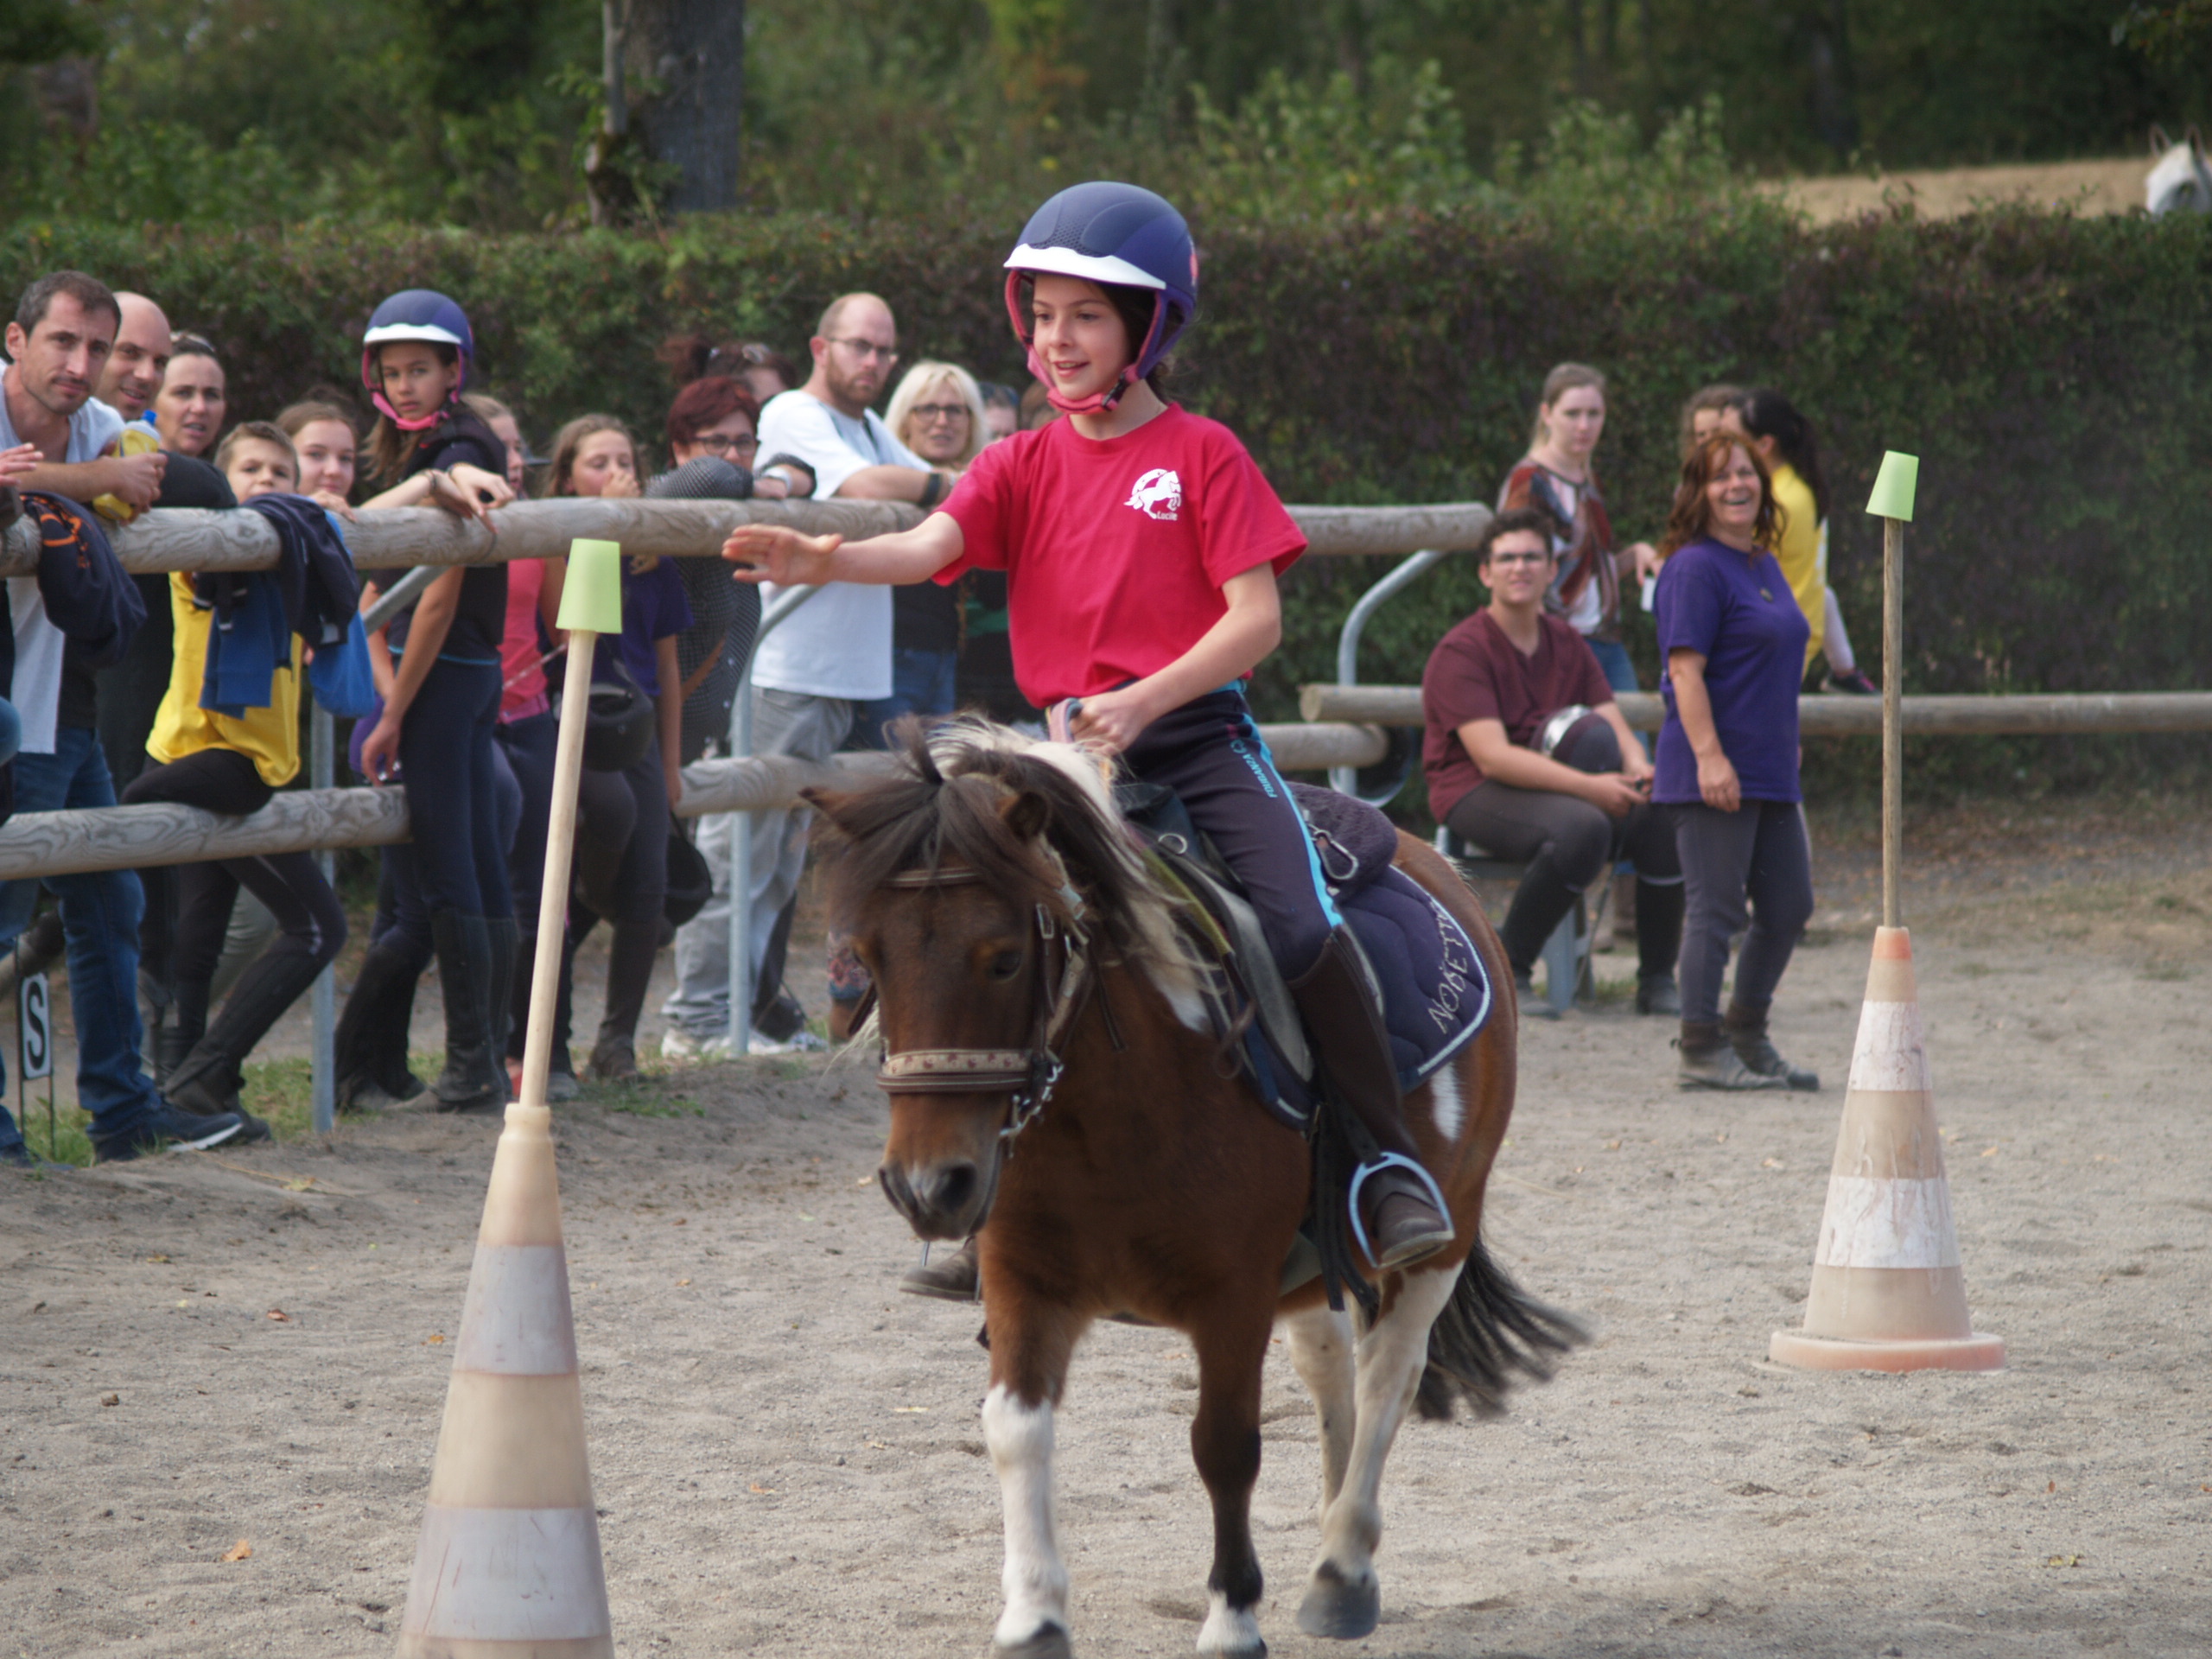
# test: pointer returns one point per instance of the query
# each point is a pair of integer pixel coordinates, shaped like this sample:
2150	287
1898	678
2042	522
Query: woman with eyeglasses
937	412
1528	757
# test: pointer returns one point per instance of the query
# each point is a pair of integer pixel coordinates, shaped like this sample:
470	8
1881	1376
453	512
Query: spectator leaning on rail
227	739
713	438
1733	641
833	652
937	413
441	707
1528	756
76	614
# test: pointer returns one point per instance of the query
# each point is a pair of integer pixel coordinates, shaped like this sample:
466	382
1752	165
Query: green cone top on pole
1894	488
591	600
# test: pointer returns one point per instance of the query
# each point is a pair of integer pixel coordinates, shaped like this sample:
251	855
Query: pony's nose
938	1200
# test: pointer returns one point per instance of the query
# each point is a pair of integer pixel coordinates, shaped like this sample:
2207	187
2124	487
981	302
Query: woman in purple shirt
1734	642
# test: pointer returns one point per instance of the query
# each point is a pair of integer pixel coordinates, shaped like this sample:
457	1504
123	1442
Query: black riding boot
180	1032
472	1079
207	1081
1658	945
506	942
1403	1224
373	1023
629	973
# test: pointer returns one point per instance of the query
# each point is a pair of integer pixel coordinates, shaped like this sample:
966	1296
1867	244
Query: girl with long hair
625	881
451	898
1557	476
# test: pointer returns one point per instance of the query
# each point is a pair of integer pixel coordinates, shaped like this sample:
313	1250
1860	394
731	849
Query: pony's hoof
1341	1610
1050	1643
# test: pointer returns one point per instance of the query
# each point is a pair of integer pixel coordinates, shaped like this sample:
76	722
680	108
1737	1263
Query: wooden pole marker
509	1561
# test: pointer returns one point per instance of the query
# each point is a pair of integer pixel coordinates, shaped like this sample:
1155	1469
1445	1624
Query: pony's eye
1006	964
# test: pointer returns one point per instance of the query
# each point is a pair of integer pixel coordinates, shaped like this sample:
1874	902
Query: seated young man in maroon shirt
1528	758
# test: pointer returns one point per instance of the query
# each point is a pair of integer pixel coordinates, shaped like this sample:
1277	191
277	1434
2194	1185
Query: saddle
1423	969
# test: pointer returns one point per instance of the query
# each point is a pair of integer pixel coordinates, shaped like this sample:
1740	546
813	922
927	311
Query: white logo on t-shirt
1158	494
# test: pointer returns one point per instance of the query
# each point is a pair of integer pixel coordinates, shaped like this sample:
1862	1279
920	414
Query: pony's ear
2160	142
834	804
1027	814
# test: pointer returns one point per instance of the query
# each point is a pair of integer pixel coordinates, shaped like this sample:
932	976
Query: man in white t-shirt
58	343
833	652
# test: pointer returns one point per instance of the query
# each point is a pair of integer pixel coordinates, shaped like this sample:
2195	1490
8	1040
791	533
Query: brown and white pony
1055	1091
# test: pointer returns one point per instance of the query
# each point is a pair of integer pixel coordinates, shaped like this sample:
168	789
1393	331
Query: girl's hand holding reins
779	553
1114	720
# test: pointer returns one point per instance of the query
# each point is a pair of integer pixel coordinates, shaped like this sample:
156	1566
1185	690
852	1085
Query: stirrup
1376	1165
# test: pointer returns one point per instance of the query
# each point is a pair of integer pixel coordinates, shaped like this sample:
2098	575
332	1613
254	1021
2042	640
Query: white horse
2178	180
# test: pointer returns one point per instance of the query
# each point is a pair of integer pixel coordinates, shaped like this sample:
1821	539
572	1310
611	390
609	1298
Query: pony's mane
947	805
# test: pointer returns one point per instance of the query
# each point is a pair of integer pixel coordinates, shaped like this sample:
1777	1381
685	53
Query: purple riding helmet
1118	236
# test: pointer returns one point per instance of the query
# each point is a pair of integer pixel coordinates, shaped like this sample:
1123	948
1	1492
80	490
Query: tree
671	133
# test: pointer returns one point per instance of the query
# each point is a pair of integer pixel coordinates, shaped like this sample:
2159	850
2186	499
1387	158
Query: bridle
1063	979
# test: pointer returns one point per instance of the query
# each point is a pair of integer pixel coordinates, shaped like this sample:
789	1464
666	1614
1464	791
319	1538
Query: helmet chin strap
420	424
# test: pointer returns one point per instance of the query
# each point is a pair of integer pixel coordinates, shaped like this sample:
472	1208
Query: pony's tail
1489	1334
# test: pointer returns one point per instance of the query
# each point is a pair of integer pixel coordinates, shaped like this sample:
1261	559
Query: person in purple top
1733	640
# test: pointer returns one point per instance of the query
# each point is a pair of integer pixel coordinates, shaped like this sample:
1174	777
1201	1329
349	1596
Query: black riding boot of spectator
1398	1205
507	941
629	973
1539	904
1658	947
372	1038
207	1081
182	1032
472	1079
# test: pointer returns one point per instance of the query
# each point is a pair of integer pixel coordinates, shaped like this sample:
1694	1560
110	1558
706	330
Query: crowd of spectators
189	689
1528	757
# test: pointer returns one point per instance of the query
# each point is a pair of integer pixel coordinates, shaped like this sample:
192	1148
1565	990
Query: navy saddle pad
1435	993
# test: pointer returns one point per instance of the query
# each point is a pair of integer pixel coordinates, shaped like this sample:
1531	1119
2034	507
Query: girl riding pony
1141	546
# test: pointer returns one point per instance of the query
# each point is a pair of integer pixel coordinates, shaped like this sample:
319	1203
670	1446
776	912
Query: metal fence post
1346	779
741	853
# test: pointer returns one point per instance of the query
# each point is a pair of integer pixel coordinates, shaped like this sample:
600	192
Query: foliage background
474	111
1409	209
2051	372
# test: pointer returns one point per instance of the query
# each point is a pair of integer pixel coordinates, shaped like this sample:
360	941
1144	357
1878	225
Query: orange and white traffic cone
509	1564
1888	1293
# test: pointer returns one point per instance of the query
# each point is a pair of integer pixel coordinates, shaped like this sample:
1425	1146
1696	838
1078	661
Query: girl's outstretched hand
17	462
779	553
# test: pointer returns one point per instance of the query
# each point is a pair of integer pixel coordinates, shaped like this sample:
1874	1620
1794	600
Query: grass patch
70	1141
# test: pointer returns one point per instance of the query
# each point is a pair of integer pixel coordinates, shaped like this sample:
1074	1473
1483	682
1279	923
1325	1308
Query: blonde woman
937	412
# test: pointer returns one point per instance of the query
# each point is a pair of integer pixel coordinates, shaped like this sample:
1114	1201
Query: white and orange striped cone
509	1564
1888	1293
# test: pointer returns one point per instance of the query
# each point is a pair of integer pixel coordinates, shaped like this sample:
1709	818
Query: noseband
1063	983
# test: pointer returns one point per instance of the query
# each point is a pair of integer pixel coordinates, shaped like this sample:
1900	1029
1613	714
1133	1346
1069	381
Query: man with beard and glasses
835	652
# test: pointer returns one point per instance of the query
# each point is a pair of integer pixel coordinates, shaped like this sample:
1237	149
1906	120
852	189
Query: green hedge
2050	372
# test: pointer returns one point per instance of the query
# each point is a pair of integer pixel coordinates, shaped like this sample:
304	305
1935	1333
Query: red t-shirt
524	691
1115	552
1477	673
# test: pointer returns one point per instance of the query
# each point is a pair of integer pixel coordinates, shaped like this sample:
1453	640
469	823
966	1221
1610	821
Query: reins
1063	980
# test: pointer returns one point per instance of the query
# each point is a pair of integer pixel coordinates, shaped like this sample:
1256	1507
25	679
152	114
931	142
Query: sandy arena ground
205	1349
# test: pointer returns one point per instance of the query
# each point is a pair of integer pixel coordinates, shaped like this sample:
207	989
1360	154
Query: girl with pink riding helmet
1141	547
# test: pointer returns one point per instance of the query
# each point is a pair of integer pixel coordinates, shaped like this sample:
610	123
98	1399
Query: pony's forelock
933	810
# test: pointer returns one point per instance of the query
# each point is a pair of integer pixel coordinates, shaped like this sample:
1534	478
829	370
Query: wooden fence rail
185	538
310	820
2041	715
